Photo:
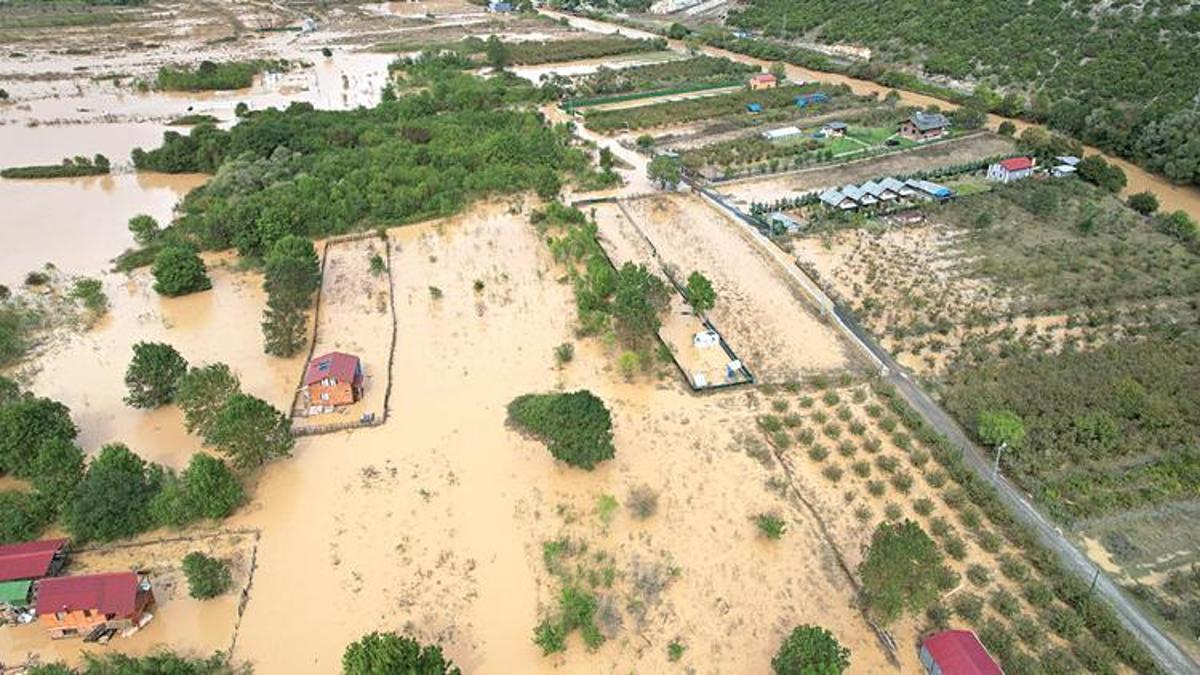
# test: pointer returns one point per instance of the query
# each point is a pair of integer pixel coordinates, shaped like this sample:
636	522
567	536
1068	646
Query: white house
780	133
1009	170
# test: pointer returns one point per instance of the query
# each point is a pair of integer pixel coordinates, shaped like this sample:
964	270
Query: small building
32	559
896	186
860	195
333	379
1009	170
498	6
763	81
782	223
834	129
957	652
923	126
15	599
834	199
77	606
880	191
805	100
1069	160
1066	165
781	133
924	189
754	107
705	339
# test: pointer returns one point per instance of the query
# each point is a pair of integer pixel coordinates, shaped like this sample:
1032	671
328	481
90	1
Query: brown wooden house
332	380
76	606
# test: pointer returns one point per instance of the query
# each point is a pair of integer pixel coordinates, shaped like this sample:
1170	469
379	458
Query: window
324	396
60	616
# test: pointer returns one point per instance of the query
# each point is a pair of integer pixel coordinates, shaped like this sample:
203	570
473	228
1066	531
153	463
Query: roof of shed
28	560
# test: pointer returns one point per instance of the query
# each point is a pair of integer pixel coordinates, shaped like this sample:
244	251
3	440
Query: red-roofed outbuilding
332	380
75	606
1008	170
957	652
32	559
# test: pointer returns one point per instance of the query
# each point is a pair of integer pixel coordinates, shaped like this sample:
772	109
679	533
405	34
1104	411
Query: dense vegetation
179	270
207	577
69	168
1108	429
576	427
533	52
379	653
653	76
209	75
153	374
902	571
309	173
691	110
1121	77
156	664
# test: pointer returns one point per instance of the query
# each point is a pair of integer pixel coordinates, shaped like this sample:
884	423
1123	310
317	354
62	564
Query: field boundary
318	429
571	105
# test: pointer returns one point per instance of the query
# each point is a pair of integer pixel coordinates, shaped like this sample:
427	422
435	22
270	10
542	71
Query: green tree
1144	202
1001	427
25	425
700	293
153	375
178	271
23	516
292	275
576	427
778	70
207	577
665	170
639	300
1094	169
113	500
212	489
145	229
10	391
900	571
57	470
201	394
387	654
91	293
810	650
677	31
607	160
497	53
1007	128
250	432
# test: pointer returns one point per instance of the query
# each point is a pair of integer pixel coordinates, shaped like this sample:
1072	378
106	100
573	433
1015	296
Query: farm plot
768	321
907	162
355	317
704	365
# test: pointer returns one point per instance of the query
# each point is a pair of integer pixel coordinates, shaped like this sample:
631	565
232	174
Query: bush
1038	594
90	292
902	481
899	572
923	506
938	615
876	488
955	547
1064	621
1005	603
642	502
564	353
861	468
968	606
153	375
832	472
979	575
1144	203
576	426
179	271
23	516
1013	569
27	423
207	577
810	649
770	525
1030	631
379	653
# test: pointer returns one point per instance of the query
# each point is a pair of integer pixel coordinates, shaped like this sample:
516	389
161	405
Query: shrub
892	511
818	453
675	650
779	405
377	653
872	445
805	436
923	506
831	398
997	638
1064	621
988	541
91	293
1005	603
1144	202
938	615
844	414
1038	594
153	375
969	517
939	527
1013	569
968	606
876	488
576	426
179	271
832	472
979	575
857	428
1030	631
207	577
846	449
862	513
642	501
899	571
564	353
936	479
810	649
23	516
832	430
955	547
861	468
770	525
887	463
902	481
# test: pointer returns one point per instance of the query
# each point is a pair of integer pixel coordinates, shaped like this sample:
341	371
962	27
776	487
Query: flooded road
1171	197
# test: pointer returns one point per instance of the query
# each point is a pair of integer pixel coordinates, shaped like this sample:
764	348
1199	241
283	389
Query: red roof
1017	164
28	560
339	366
113	593
959	652
763	77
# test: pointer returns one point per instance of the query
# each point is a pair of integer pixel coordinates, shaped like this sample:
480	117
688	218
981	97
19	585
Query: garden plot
355	316
705	364
768	320
923	158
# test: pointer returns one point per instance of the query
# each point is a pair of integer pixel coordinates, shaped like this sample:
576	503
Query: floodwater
79	224
1171	197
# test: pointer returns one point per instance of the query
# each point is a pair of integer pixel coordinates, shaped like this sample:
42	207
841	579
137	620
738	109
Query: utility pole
996	465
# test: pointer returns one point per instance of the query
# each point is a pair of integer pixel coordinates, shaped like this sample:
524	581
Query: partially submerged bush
576	427
207	577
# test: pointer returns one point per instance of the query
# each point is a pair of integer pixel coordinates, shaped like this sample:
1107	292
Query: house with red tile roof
763	81
957	652
332	380
32	559
1009	170
76	606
